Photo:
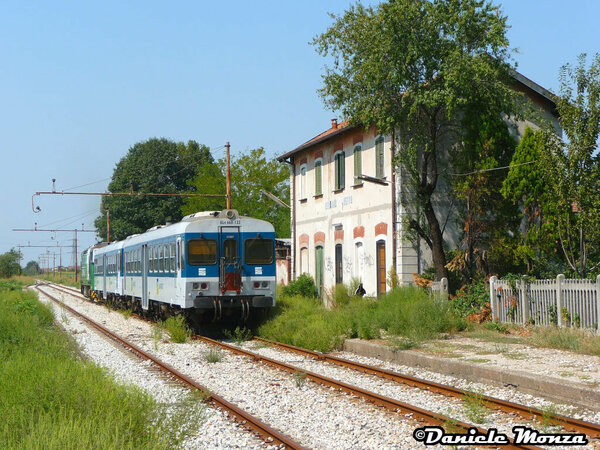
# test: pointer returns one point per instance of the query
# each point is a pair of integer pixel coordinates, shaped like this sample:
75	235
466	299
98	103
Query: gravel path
315	416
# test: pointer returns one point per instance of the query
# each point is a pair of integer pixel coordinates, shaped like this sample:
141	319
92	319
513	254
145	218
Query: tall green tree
9	263
31	268
572	165
485	216
410	67
158	166
525	186
251	174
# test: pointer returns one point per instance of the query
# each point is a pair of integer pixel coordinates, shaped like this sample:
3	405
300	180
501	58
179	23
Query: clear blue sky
80	83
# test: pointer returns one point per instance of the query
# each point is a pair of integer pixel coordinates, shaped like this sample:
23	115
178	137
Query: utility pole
228	177
19	258
70	231
107	226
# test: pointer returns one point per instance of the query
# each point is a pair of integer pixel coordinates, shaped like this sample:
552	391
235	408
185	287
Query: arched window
339	265
359	261
381	272
379	158
302	181
319	177
357	163
339	159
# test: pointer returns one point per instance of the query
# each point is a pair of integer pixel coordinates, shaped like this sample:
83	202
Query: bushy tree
410	68
525	186
32	268
158	166
572	166
9	264
251	174
484	215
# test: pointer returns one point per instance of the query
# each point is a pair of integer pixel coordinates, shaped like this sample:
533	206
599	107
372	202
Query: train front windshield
202	252
258	251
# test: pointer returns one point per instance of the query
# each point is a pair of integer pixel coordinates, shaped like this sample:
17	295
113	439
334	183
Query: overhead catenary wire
510	166
141	172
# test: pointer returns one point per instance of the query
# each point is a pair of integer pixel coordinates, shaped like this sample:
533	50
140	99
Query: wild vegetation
43	384
409	314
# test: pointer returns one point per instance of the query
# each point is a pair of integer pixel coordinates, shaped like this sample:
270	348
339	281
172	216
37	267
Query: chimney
334	124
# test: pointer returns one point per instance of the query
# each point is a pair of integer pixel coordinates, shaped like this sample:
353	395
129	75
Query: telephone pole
57	231
228	178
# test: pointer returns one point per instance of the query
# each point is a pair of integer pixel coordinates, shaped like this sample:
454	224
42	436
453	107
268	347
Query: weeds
474	407
405	312
178	329
213	356
127	313
239	335
157	334
299	378
549	419
64	317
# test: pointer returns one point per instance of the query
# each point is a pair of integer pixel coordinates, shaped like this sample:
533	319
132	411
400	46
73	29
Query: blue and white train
216	262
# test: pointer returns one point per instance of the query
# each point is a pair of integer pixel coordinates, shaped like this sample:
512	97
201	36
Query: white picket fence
439	289
562	302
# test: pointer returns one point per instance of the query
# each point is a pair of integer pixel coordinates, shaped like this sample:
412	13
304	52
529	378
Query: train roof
200	222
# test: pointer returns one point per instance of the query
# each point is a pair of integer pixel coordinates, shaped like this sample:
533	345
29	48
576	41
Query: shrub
178	329
408	312
470	299
304	286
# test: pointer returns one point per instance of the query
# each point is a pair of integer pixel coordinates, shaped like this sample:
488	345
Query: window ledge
357	185
318	196
303	200
337	191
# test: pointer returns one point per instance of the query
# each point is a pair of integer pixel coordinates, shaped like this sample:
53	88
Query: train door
144	268
179	281
121	271
104	268
230	264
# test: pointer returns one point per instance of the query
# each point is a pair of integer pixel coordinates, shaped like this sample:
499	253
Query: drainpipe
293	204
394	219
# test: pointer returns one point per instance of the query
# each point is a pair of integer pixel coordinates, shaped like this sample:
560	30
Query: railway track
269	435
579	426
571	424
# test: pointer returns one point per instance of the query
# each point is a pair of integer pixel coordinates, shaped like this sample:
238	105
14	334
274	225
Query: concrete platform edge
554	390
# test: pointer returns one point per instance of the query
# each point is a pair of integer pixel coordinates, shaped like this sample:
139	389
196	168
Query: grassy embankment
406	317
51	399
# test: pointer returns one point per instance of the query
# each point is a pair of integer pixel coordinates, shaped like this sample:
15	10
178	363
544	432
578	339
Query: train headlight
256	284
204	286
265	284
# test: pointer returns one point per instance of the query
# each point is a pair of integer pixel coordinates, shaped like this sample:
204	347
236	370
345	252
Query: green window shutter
318	178
379	172
339	171
357	164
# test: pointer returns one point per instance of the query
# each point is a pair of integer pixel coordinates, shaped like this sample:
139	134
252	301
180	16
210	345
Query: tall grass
51	399
408	312
178	329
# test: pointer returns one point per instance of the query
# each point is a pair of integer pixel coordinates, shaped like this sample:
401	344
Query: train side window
201	252
181	256
166	258
160	258
172	256
151	258
258	251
